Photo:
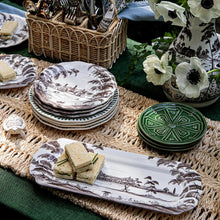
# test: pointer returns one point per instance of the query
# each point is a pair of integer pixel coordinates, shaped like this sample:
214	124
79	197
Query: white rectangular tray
143	181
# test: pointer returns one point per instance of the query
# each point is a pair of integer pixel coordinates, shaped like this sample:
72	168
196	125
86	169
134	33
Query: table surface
22	198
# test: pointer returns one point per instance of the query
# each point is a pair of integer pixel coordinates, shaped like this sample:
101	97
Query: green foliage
141	52
158	47
215	76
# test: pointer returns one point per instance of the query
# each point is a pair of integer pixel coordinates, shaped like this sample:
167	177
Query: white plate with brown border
75	86
24	68
20	34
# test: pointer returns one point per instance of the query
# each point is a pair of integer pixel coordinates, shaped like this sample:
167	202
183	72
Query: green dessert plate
173	148
162	145
172	124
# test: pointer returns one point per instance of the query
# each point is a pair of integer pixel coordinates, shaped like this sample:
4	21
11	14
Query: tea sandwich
90	176
78	156
62	168
8	29
7	73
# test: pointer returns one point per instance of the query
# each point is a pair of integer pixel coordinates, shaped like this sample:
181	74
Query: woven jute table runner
119	133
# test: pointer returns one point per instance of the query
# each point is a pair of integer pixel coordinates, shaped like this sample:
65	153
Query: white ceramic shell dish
14	125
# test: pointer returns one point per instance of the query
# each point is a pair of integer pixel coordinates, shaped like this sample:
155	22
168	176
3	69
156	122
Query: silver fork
70	8
65	5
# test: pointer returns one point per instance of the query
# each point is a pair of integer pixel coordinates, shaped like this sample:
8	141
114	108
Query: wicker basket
63	42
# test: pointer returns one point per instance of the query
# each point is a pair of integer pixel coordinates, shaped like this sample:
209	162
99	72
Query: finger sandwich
6	72
62	168
8	29
78	157
90	176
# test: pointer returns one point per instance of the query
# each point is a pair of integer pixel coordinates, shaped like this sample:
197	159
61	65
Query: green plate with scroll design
172	123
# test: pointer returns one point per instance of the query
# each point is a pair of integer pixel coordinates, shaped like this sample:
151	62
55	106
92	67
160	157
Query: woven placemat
119	133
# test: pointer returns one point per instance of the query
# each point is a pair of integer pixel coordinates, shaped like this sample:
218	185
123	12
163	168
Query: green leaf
62	162
215	77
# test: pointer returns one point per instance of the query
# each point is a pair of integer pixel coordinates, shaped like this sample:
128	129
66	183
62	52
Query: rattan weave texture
119	133
60	41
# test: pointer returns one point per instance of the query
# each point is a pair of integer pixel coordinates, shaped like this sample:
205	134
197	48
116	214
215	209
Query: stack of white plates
74	96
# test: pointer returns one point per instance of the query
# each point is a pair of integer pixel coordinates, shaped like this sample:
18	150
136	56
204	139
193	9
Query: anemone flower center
193	77
207	4
157	71
172	14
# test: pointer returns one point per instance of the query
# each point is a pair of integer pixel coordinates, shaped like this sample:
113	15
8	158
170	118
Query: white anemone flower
172	12
158	71
191	78
152	4
205	9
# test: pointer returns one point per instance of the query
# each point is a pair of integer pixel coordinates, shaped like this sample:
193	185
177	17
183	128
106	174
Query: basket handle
115	9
